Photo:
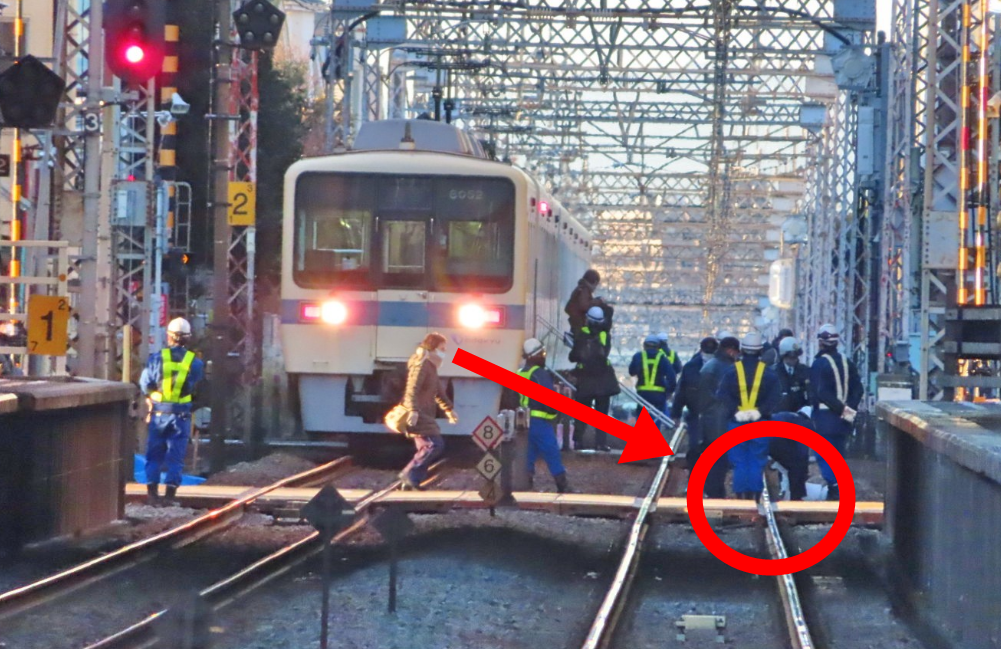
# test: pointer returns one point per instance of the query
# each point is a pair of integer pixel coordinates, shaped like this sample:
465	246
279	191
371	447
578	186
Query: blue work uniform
686	401
169	380
749	385
657	379
793	455
834	384
541	436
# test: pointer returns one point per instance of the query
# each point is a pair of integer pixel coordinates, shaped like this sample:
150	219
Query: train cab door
403	243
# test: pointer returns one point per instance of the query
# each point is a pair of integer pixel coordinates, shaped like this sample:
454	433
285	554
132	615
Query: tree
281	130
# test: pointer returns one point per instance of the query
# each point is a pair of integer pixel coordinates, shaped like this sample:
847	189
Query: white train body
383	246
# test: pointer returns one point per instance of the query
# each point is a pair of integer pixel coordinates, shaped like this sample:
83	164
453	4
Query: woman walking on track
421	399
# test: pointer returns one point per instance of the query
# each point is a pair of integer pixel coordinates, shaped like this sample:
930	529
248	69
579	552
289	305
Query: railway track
606	620
222	593
29	596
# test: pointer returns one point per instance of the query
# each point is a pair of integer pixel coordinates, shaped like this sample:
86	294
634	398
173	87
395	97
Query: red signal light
134	54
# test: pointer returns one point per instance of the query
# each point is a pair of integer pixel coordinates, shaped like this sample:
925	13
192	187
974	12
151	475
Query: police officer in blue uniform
541	436
749	392
835	394
655	374
168	381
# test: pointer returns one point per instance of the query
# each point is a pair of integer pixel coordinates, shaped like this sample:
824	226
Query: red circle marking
790	565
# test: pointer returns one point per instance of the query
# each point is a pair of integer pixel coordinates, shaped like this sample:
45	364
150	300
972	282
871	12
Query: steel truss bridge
699	140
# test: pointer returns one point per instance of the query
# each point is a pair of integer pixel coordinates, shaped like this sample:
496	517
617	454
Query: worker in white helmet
672	356
169	380
749	392
541	436
835	394
596	381
655	376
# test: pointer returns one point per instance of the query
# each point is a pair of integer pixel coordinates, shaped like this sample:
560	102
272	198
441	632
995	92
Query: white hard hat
723	333
828	334
596	313
652	339
179	326
789	345
532	347
752	342
662	336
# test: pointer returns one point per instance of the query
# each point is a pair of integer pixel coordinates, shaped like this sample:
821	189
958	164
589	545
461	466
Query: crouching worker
169	381
749	392
541	436
421	398
792	455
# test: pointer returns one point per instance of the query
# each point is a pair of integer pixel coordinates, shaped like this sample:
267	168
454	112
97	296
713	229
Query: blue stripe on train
365	313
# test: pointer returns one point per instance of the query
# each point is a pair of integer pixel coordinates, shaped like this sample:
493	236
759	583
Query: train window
333	243
403	253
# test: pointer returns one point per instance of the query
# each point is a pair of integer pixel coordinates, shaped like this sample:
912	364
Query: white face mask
437	357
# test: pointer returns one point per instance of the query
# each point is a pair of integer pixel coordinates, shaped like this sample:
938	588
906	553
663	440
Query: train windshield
370	231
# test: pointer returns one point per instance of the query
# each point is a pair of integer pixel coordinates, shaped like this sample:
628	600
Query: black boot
151	496
562	484
833	493
170	499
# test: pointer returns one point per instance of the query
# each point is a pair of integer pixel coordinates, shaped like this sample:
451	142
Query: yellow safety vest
749	401
650	366
602	338
174	376
671	356
523	399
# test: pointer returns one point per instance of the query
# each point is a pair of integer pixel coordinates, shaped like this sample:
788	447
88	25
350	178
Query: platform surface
601	505
968	433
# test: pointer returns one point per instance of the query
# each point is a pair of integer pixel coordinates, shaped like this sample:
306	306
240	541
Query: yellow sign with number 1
48	321
242	208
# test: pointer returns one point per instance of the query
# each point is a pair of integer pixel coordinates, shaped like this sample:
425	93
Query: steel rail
142	634
799	630
603	628
64	582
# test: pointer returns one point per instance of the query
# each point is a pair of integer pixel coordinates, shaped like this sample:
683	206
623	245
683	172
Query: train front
377	253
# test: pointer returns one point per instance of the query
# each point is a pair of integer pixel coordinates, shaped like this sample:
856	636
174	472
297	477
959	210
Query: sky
883	8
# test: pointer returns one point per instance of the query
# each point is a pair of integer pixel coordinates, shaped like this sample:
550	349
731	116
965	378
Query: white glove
452	417
745	416
412	418
848	415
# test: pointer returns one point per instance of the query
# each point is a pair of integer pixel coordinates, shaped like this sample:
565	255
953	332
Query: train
415	229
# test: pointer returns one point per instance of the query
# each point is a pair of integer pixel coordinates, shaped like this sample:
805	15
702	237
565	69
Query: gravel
466	580
260	473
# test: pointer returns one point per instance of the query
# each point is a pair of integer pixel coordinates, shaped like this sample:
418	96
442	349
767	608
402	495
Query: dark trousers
795	457
836	431
601	404
429	449
166	443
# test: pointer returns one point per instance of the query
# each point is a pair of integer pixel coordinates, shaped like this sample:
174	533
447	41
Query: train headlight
474	316
333	312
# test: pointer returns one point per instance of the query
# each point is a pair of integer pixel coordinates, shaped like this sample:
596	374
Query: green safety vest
749	401
523	399
670	357
174	376
650	366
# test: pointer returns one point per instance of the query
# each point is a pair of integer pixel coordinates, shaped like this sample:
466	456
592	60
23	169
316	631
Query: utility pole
219	163
87	330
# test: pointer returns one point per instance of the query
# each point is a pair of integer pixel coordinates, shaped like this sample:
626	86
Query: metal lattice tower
671	129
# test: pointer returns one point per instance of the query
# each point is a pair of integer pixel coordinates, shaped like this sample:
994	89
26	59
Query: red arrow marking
643	441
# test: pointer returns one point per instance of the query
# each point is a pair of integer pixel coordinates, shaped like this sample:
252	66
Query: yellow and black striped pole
167	159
